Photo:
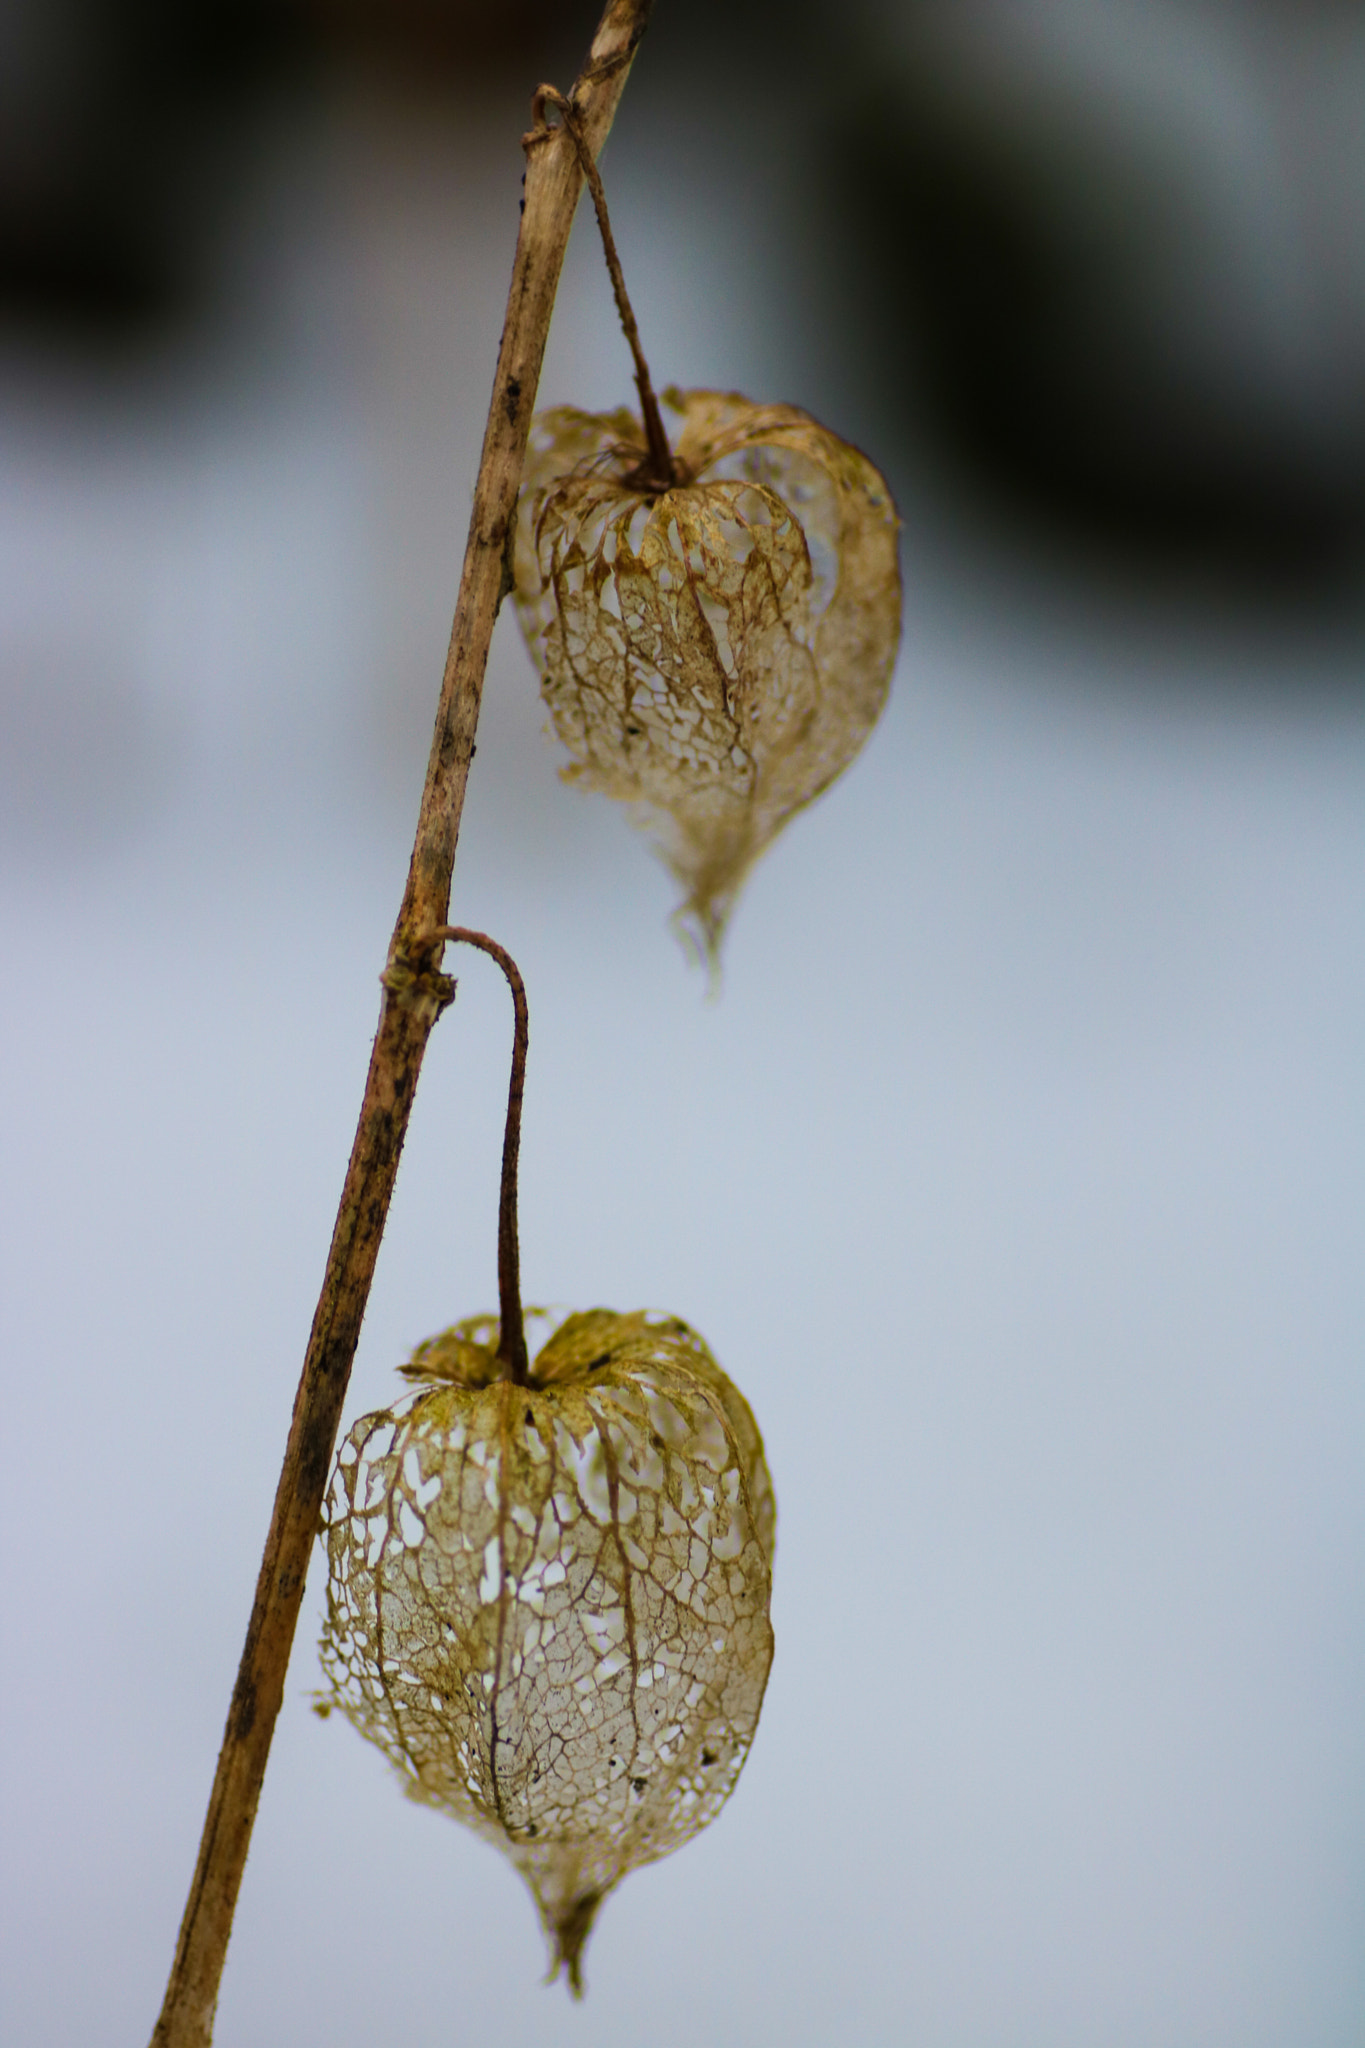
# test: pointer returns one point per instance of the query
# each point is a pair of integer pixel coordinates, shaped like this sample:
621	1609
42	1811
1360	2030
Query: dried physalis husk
715	653
548	1604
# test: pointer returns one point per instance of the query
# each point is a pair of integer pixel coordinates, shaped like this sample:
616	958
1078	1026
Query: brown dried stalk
415	993
511	1322
660	471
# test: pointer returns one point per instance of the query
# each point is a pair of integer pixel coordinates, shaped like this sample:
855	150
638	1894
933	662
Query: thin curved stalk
512	1323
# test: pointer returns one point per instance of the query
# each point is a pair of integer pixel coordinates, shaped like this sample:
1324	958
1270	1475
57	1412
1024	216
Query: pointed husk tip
568	1932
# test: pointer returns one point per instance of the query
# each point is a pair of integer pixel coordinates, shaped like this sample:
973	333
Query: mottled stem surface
415	993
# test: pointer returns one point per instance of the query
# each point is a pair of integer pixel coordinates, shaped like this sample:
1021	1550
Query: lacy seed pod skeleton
715	653
548	1585
715	618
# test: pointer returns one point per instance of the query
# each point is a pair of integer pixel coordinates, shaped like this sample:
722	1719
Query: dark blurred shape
125	126
1010	280
449	39
117	121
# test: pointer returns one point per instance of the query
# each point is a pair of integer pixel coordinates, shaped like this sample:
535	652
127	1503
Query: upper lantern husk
716	653
548	1605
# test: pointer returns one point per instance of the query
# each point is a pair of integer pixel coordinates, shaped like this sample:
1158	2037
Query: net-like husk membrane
548	1605
717	653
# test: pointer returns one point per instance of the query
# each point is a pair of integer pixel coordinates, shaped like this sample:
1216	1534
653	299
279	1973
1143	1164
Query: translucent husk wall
548	1604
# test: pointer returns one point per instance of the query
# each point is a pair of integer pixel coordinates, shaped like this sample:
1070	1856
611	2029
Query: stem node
422	989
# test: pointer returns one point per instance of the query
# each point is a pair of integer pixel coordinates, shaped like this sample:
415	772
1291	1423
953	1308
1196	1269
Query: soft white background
1015	1177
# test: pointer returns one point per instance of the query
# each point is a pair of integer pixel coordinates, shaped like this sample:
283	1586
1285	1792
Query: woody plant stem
415	993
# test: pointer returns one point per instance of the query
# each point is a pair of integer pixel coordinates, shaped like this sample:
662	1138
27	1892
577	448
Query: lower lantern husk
548	1605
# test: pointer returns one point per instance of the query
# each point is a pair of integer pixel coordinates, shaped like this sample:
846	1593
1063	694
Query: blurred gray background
1016	1176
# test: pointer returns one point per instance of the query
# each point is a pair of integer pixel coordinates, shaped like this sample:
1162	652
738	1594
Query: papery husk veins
717	652
548	1604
